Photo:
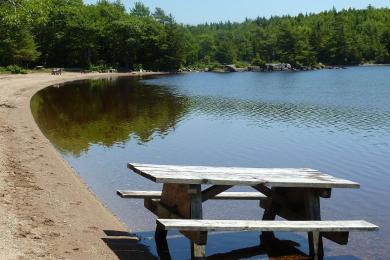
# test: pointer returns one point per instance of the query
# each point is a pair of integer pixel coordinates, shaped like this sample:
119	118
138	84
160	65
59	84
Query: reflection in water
111	111
296	115
273	248
105	112
336	121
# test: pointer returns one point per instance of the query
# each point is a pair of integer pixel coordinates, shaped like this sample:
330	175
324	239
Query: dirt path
45	209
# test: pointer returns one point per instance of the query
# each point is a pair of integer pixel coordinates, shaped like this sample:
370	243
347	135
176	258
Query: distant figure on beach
56	71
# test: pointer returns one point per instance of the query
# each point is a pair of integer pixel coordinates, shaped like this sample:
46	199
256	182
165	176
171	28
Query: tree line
69	33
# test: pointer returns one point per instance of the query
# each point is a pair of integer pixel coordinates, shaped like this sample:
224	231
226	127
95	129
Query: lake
336	121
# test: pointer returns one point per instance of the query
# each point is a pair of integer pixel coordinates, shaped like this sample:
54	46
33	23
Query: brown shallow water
334	121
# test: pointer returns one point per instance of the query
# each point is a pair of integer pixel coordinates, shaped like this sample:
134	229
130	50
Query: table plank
274	177
235	195
264	225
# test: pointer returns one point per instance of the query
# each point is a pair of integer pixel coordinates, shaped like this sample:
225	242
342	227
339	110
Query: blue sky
200	11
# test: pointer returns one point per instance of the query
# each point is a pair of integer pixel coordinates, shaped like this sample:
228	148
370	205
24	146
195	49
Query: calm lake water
336	121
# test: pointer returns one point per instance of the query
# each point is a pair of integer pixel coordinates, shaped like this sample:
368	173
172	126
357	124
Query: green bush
215	66
209	66
137	67
257	61
240	64
98	68
14	69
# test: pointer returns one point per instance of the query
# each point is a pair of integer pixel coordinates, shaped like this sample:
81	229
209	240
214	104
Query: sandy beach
46	211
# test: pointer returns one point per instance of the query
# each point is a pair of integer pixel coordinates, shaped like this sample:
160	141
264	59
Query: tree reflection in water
106	112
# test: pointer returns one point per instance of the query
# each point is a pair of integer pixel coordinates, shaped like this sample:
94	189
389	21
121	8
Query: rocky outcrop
278	67
255	68
271	67
233	68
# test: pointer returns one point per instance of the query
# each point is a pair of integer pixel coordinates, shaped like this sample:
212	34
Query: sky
201	11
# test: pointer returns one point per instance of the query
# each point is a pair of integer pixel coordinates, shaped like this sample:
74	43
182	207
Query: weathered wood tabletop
291	193
274	177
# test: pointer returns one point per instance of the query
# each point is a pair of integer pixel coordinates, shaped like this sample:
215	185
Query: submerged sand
45	209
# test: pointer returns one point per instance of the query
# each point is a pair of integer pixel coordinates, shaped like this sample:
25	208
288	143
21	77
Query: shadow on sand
127	246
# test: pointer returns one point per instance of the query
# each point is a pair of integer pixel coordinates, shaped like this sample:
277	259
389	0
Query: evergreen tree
72	34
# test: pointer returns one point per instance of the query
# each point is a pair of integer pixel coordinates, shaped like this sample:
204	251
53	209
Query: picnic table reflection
271	248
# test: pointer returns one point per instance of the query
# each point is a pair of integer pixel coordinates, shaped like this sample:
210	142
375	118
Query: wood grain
263	225
274	177
221	196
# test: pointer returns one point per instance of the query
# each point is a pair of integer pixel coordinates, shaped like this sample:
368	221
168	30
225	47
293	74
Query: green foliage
225	52
160	16
240	64
140	10
258	61
17	43
14	69
137	67
98	68
215	67
58	33
331	37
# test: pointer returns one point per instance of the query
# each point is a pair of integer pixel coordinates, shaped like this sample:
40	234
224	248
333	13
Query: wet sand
46	211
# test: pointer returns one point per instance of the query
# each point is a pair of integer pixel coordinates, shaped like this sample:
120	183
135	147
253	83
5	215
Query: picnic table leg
313	212
198	250
161	243
269	214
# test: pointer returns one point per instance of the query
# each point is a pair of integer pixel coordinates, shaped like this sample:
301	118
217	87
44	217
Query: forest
72	34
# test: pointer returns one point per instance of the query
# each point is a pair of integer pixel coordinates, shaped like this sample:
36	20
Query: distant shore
372	65
268	67
271	67
45	209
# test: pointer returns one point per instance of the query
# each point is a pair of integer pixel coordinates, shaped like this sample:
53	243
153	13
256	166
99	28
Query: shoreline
46	210
373	65
277	67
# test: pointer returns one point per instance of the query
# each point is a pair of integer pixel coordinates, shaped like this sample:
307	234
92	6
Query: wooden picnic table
292	193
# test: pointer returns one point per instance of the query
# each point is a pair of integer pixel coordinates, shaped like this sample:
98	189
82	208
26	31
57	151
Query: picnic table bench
291	193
